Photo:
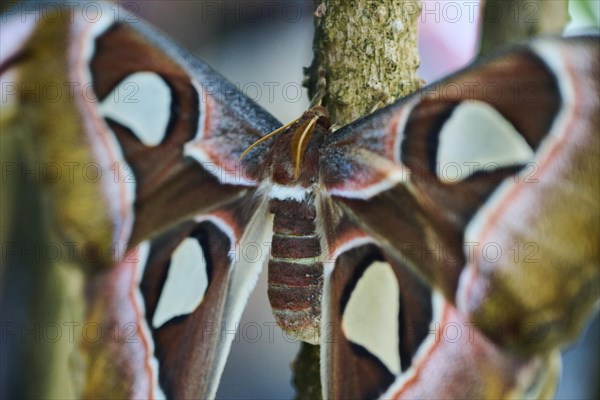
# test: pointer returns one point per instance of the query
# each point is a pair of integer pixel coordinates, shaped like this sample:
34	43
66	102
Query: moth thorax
296	269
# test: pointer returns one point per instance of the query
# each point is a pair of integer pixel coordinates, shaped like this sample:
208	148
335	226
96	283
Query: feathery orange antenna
270	135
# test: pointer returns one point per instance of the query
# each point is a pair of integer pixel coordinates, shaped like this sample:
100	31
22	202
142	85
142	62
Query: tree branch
367	52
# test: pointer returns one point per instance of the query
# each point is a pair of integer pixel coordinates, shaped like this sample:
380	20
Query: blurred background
262	47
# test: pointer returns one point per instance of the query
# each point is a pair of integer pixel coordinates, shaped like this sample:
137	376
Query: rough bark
367	52
307	377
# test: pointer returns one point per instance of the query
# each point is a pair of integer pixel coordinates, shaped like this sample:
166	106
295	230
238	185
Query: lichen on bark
367	52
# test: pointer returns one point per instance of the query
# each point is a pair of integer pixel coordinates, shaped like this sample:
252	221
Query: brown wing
172	302
144	135
485	186
387	334
152	138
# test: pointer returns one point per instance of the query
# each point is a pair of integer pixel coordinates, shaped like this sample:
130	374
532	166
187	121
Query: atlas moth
374	254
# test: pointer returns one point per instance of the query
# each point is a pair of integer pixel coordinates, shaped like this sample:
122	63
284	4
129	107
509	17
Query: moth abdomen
295	269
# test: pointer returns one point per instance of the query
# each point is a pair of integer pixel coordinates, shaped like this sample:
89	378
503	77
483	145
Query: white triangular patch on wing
371	315
186	283
141	102
476	138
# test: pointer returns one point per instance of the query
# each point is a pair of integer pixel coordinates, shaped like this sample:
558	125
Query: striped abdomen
296	269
